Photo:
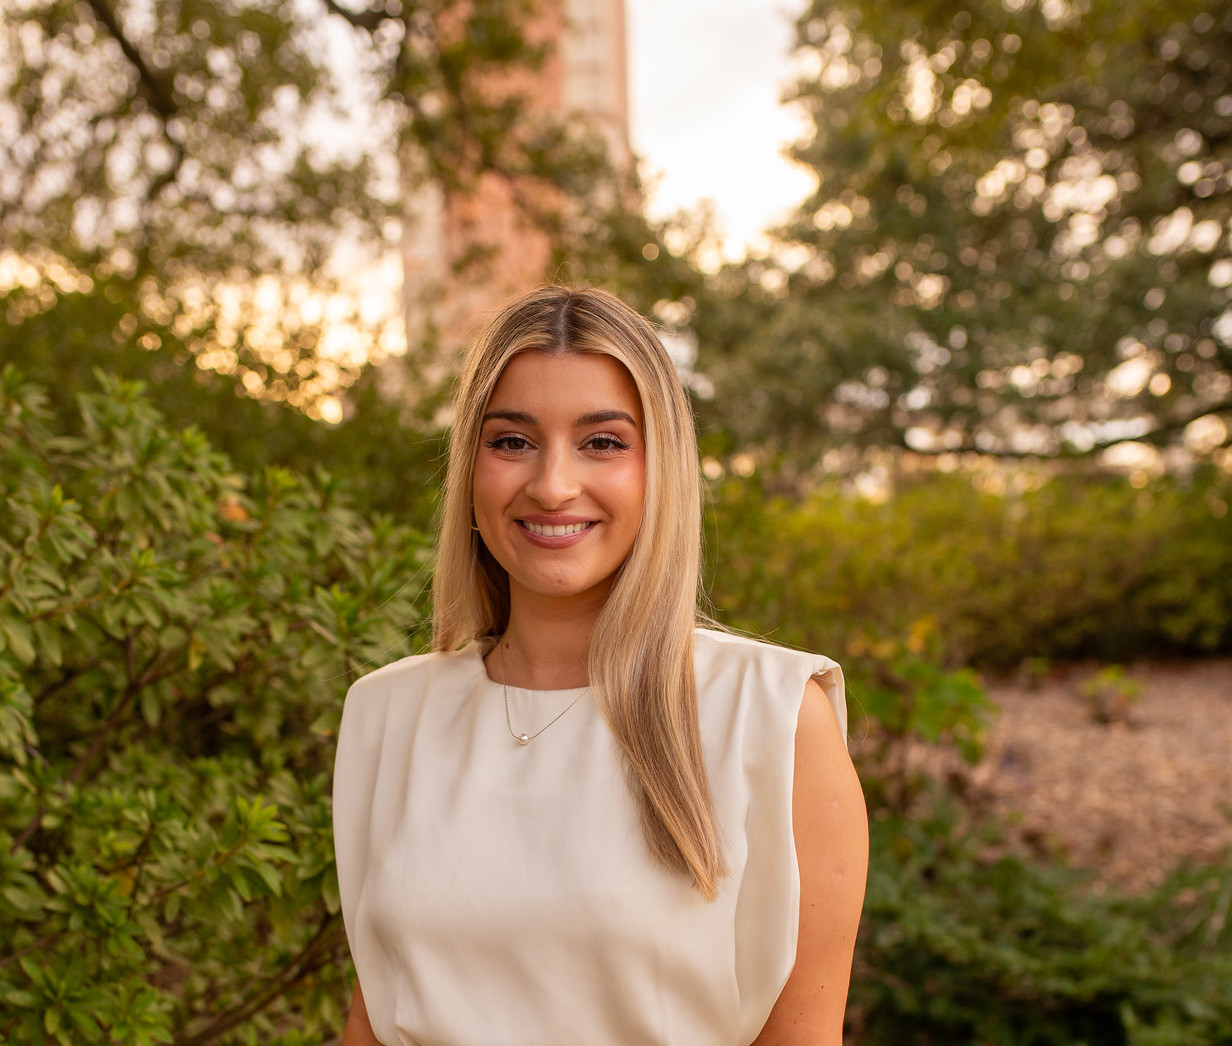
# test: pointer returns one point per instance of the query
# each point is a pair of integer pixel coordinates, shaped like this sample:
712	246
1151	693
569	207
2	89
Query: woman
582	820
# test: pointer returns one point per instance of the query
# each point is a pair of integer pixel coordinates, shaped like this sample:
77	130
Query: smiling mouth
557	530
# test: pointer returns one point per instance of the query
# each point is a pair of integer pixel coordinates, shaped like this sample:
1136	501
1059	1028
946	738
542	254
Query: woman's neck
546	646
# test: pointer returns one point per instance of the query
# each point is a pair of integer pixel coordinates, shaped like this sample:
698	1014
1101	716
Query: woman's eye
606	444
508	443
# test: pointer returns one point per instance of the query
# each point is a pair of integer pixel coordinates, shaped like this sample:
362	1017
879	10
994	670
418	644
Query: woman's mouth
555	530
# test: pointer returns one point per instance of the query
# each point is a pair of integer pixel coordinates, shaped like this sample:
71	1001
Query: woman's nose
555	480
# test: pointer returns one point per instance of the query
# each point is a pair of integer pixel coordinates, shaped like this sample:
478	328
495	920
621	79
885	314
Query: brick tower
584	77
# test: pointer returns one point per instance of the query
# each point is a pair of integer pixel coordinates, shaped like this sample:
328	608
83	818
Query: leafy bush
1075	568
59	337
174	647
962	945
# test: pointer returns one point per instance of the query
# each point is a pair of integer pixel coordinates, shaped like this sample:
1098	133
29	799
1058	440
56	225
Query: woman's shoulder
764	675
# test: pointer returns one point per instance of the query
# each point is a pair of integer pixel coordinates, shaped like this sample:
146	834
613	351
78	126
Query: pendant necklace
525	739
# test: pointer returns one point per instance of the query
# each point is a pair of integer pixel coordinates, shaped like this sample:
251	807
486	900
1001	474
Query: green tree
201	136
175	643
1019	241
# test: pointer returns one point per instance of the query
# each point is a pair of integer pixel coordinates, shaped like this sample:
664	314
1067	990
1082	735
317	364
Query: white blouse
496	894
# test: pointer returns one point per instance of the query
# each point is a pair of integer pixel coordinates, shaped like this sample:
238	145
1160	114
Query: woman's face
560	473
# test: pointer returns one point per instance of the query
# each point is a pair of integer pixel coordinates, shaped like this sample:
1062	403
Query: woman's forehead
587	382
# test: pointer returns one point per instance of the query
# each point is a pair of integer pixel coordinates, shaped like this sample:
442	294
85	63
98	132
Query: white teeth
557	531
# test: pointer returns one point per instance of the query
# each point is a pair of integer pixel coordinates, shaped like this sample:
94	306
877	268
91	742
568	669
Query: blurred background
951	287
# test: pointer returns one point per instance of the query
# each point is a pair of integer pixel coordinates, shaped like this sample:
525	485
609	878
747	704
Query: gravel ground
1129	798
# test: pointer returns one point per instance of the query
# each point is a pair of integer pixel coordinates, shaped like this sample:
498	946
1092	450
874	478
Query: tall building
584	77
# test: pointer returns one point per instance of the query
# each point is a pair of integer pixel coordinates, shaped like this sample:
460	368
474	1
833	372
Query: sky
705	79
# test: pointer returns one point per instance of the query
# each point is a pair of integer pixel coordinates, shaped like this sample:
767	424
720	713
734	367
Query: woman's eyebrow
518	417
598	417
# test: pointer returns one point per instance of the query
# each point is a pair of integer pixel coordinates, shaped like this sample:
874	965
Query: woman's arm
831	831
358	1030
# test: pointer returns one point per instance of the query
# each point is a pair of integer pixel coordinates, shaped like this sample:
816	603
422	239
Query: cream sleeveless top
502	895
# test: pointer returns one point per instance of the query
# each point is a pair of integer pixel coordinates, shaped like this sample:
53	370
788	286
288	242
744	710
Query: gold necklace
525	739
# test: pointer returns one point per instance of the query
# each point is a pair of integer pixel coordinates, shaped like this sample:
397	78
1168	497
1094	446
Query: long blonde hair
641	651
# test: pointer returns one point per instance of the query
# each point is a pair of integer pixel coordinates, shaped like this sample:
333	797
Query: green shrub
962	945
175	643
388	450
1075	568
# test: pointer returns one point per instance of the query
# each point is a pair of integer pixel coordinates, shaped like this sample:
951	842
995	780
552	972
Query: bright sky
705	81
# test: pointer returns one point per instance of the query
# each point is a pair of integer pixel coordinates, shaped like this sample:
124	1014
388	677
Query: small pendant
523	739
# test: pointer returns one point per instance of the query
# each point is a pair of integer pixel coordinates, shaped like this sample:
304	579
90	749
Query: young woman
582	819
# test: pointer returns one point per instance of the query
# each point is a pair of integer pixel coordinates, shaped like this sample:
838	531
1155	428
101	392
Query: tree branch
96	746
312	956
31	948
151	86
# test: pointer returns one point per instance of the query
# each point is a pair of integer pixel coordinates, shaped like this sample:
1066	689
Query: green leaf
329	891
151	707
196	652
48	638
19	638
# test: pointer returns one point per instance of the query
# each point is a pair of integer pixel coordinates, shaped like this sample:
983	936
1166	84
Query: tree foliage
153	136
174	647
214	135
1019	243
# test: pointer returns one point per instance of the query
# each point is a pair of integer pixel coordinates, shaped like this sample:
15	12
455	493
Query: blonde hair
641	651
